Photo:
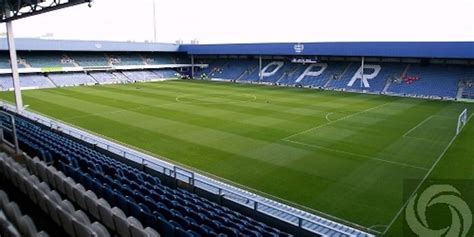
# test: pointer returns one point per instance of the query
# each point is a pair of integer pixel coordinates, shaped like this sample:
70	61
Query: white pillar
362	71
260	73
14	63
154	21
192	66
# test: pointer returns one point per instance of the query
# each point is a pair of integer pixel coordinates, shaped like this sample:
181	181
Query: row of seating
173	212
12	222
438	80
75	222
112	217
60	59
38	80
86	199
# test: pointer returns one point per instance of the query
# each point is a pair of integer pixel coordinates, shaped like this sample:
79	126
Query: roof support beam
14	65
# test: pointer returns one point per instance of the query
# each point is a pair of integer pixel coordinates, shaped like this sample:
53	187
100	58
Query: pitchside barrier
263	209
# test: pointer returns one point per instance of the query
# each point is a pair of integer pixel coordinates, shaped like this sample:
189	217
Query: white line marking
418	125
359	155
337	120
327	116
423	180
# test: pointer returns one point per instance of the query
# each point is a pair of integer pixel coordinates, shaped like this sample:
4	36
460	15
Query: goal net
462	120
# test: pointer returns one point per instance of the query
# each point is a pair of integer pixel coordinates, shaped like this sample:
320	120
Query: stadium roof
458	50
31	44
445	50
16	9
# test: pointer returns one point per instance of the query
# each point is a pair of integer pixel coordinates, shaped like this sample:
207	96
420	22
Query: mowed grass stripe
259	107
261	131
247	146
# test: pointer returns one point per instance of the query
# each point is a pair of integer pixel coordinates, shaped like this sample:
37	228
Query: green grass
343	154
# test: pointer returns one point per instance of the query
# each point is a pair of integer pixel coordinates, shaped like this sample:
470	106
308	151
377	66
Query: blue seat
109	194
135	192
121	202
165	228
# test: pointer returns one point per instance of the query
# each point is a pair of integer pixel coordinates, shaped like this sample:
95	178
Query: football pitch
345	155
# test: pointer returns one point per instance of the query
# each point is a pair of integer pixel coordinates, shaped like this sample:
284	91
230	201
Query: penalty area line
423	180
337	120
418	125
358	155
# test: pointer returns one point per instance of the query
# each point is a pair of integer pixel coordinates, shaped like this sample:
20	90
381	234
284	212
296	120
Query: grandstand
241	159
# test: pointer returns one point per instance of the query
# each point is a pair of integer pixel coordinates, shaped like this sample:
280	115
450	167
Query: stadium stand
174	212
88	59
27	81
47	59
165	73
77	210
433	80
125	59
153	59
71	79
104	77
467	90
121	77
415	79
141	76
35	81
336	68
12	221
5	62
6	82
235	68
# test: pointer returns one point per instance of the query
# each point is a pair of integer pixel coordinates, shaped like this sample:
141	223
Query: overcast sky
225	21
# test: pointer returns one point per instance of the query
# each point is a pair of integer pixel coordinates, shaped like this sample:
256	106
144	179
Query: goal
462	120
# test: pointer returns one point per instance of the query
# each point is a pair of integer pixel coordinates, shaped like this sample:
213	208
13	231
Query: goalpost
462	120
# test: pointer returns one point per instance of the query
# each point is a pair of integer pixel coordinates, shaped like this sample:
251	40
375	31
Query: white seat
91	203
3	199
100	230
81	217
59	180
121	223
53	205
30	164
23	175
79	192
31	183
8	171
82	230
151	232
65	214
13	213
43	201
136	227
69	184
27	228
44	187
51	172
41	171
105	212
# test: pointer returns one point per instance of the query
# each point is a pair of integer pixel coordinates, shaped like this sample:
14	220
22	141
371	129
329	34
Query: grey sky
223	21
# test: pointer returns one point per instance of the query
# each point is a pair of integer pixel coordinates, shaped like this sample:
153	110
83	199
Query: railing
12	130
228	192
